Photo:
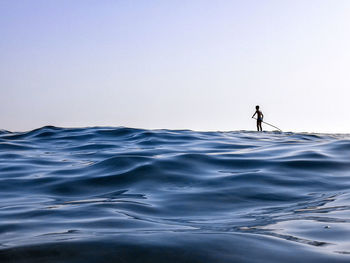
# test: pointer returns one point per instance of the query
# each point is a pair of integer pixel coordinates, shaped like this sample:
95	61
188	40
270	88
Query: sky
195	64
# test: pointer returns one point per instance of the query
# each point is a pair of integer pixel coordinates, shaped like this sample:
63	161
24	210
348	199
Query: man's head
257	107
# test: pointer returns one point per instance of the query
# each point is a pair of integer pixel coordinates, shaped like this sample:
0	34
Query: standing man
259	119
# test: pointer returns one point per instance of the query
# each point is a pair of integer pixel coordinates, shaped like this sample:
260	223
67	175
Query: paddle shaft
269	124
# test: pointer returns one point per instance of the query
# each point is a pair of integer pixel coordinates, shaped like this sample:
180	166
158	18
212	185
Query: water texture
107	194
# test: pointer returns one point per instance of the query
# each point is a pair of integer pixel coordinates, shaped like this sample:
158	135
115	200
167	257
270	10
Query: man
260	118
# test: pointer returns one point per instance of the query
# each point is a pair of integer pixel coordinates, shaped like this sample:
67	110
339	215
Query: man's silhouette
259	119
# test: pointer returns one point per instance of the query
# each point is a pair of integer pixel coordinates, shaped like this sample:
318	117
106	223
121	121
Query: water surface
107	194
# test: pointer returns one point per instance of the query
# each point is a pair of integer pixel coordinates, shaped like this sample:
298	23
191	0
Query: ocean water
106	194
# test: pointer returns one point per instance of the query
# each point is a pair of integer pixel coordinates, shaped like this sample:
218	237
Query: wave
106	194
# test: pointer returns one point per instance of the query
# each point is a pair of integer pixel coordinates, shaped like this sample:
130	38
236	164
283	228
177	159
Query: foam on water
120	194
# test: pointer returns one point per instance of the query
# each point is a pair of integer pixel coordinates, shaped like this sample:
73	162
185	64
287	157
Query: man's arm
254	114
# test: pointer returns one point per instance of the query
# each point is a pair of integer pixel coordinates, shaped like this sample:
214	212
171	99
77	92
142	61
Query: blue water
107	194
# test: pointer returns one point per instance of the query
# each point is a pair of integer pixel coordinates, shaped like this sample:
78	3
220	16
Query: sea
118	194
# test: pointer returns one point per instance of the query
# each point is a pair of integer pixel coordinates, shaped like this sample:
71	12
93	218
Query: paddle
269	124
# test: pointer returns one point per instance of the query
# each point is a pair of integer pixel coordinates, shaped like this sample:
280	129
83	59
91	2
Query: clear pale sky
200	65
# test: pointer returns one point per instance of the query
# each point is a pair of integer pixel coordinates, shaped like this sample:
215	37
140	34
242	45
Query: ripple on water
106	194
